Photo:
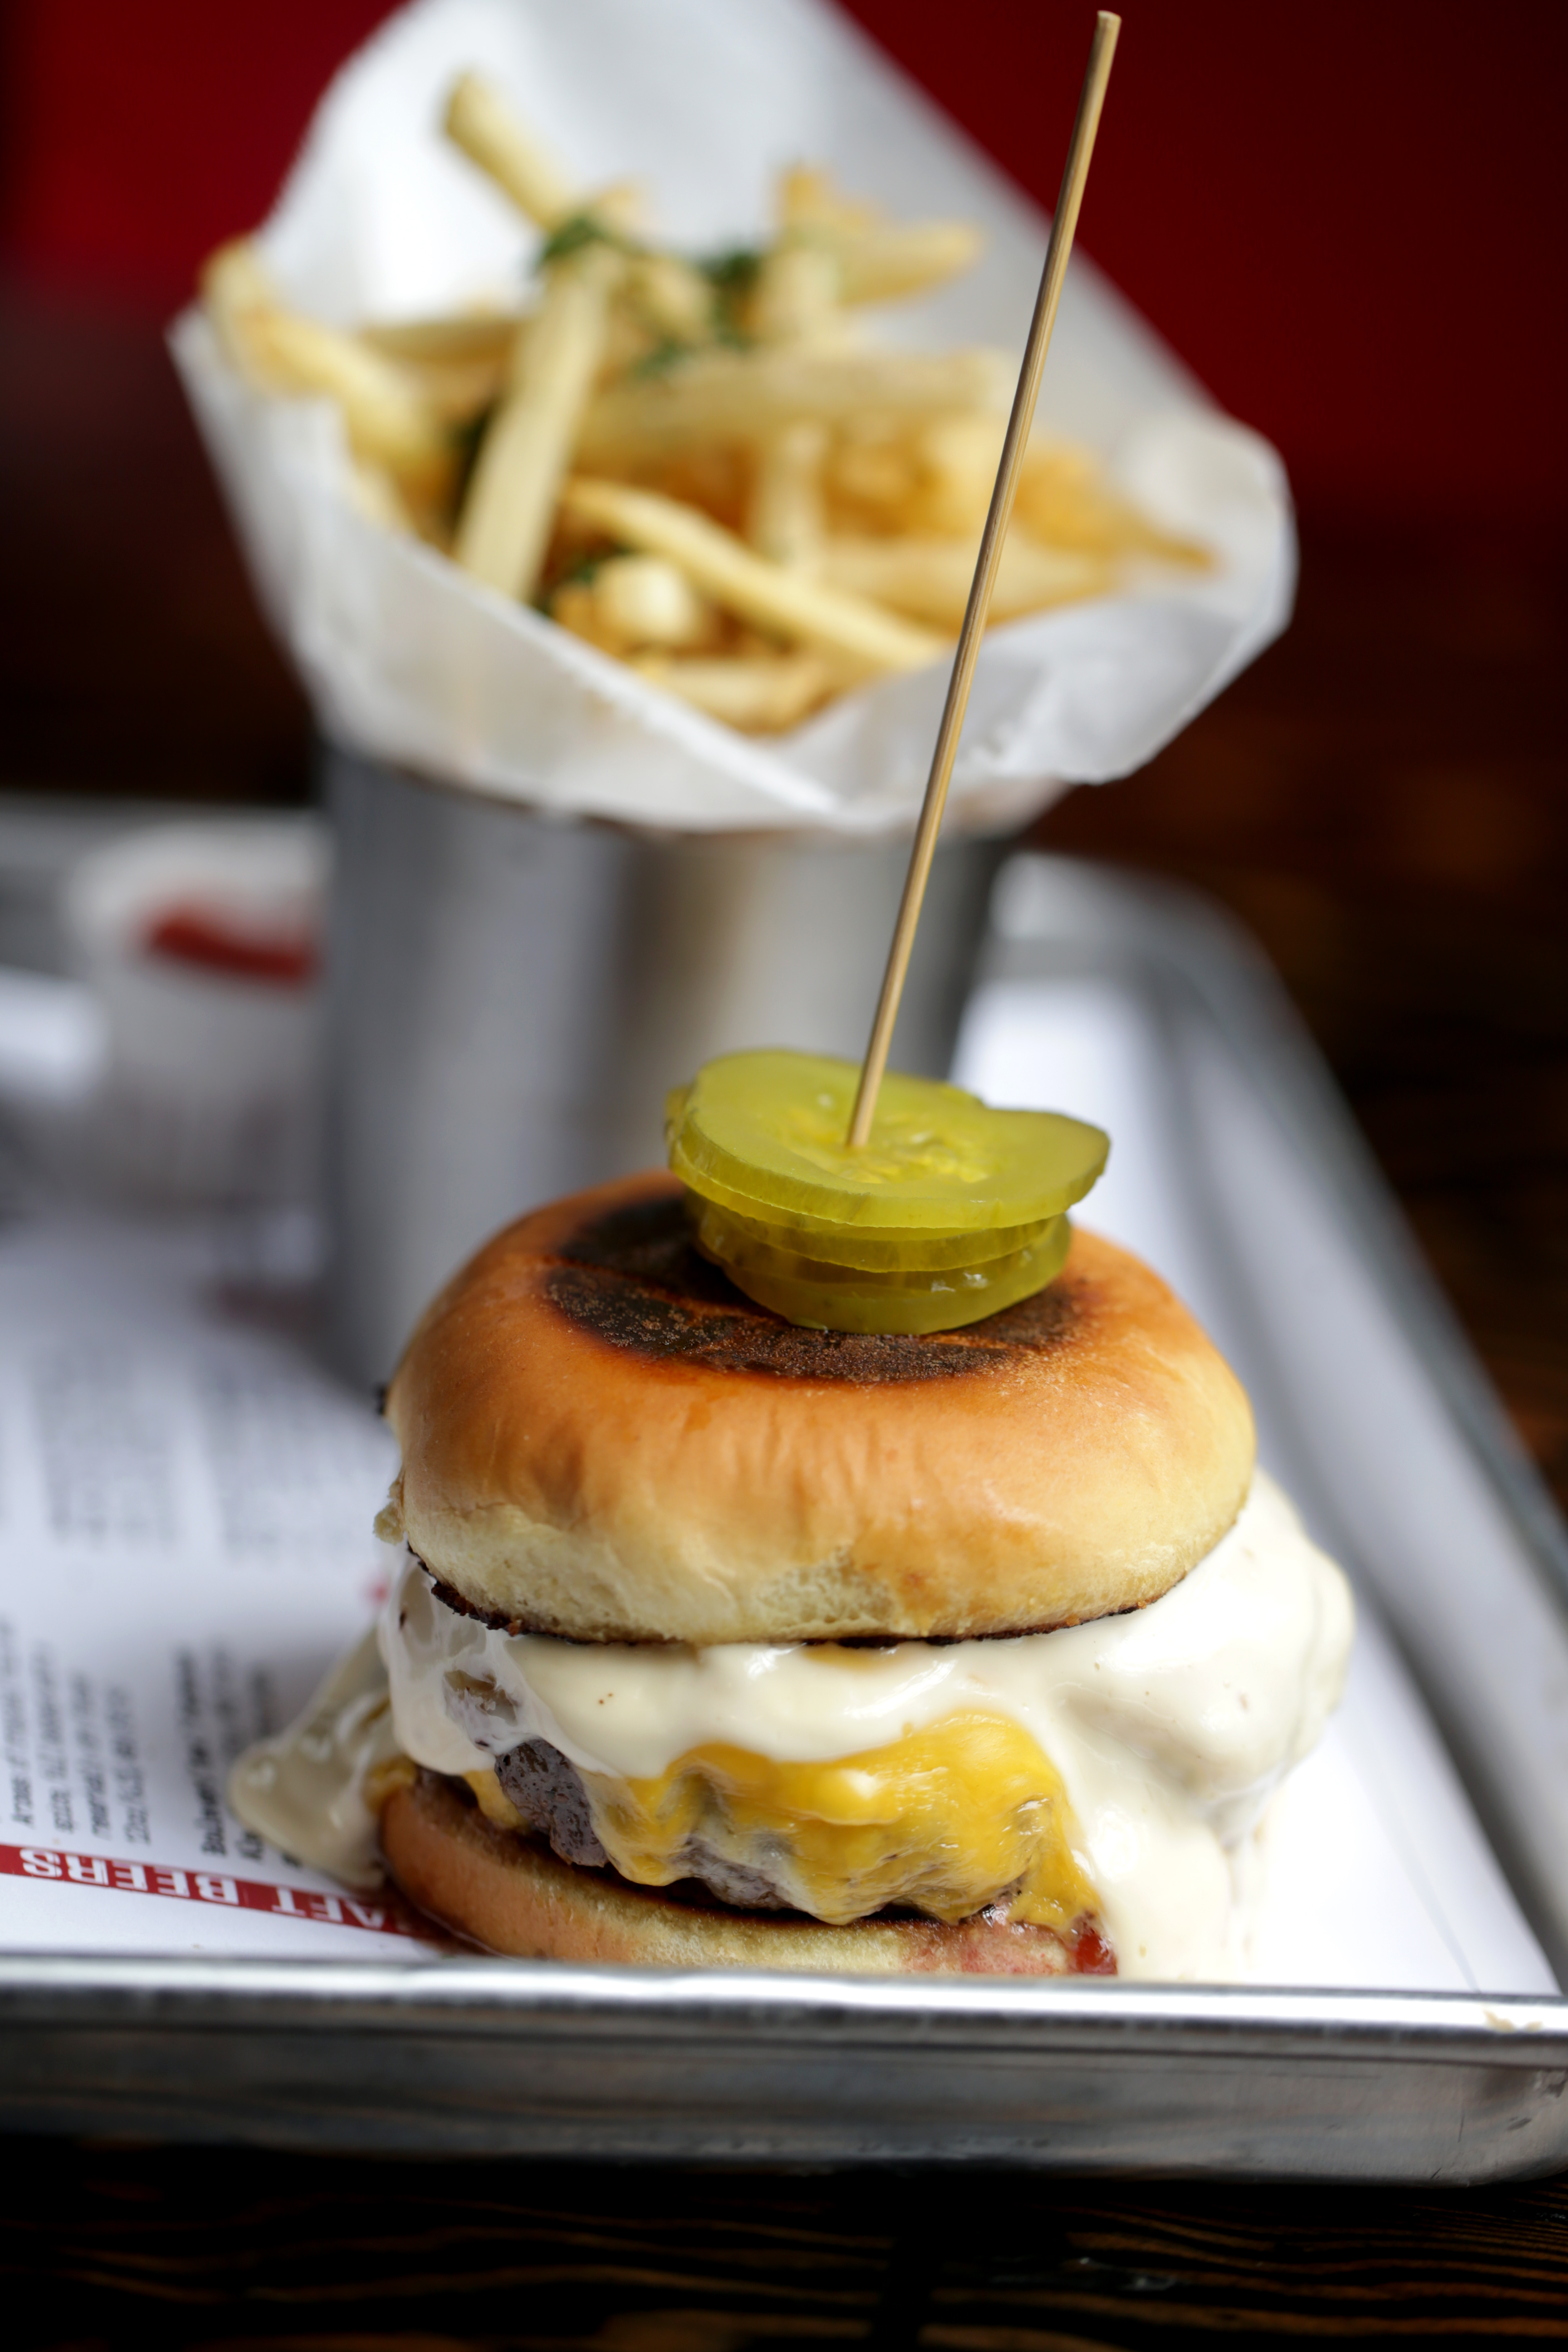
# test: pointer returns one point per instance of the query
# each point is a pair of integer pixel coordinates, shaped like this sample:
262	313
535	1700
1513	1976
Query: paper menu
92	1801
409	661
185	1507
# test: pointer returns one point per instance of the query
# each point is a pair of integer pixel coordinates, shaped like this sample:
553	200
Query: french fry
671	297
646	601
795	298
387	422
463	339
665	306
877	260
883	264
931	476
715	476
747	396
617	208
760	694
785	514
403	455
1062	499
504	528
480	122
806	197
458	365
456	389
234	283
871	472
634	602
929	579
784	604
955	465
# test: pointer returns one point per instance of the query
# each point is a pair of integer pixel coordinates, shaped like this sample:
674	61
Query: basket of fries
593	449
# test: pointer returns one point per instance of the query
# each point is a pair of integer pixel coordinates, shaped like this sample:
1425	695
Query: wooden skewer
1074	177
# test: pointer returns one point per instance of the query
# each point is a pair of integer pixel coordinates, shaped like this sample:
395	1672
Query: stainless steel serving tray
471	2055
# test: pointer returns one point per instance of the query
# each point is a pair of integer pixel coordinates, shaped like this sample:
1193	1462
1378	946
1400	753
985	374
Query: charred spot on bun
723	1641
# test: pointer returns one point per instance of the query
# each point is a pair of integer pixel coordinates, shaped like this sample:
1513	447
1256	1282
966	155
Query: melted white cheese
1171	1727
304	1790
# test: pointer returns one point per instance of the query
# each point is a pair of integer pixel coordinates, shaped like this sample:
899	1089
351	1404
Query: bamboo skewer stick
1064	224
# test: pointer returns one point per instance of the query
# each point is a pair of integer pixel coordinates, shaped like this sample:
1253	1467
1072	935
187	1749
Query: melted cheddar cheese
943	1821
493	1801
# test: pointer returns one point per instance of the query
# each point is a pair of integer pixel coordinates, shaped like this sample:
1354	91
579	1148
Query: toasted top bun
602	1439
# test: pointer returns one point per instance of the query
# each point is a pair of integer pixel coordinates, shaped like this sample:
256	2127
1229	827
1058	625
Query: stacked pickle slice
951	1211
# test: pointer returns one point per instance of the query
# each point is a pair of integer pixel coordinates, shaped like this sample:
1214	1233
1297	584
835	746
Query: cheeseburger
719	1640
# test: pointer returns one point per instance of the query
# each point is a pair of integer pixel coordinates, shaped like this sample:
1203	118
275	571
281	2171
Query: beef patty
547	1792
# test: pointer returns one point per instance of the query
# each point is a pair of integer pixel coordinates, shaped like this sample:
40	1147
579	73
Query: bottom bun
511	1895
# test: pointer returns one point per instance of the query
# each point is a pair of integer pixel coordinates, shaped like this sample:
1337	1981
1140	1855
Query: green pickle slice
870	1249
761	1134
834	1297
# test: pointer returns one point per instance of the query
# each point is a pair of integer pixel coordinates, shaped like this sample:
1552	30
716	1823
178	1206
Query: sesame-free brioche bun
604	1439
511	1895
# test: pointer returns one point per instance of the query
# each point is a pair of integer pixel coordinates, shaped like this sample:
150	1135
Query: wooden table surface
1382	799
186	2247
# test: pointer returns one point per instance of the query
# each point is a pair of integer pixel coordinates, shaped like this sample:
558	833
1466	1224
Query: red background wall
1347	215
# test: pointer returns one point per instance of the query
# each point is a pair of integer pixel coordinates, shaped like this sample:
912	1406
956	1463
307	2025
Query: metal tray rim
486	1994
